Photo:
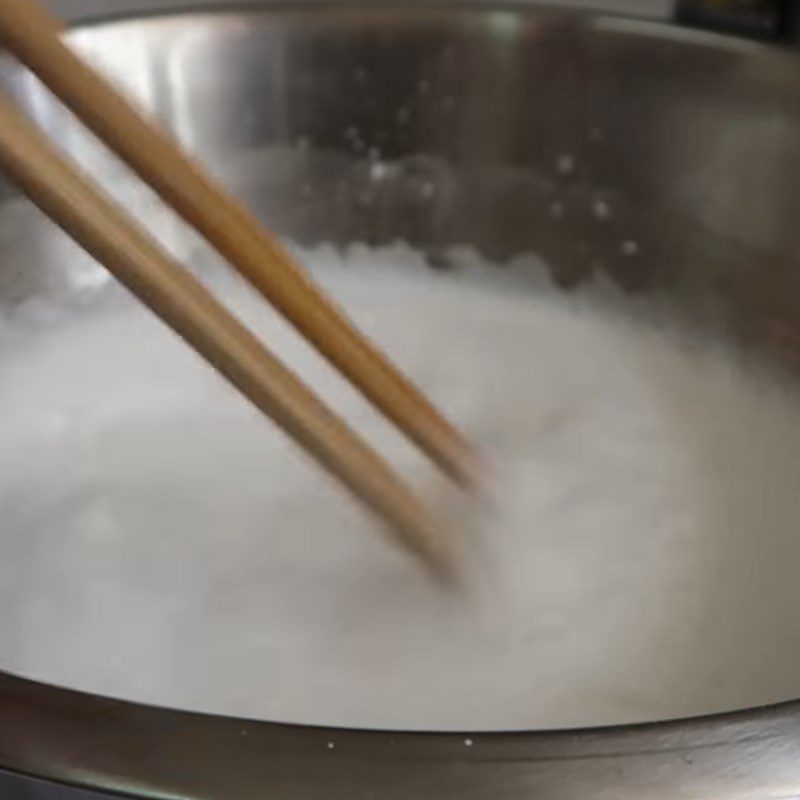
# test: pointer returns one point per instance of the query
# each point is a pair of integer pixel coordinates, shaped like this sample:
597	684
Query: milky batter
163	542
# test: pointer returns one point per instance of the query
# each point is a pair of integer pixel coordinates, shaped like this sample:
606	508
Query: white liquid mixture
162	542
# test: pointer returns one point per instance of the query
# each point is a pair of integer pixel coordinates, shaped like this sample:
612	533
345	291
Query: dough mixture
162	542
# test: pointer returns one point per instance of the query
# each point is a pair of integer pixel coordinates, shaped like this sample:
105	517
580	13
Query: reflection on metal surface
767	19
665	163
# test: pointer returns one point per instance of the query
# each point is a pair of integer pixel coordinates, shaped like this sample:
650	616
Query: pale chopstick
31	33
116	241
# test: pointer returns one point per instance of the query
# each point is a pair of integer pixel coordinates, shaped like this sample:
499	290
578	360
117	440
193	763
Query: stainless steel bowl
510	129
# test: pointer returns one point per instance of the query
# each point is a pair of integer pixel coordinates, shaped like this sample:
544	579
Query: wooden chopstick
31	33
116	241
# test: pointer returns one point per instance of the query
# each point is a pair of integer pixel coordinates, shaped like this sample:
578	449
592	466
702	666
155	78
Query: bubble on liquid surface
601	209
565	165
378	171
428	189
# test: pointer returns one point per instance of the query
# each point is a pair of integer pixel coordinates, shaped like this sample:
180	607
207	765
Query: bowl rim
77	738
